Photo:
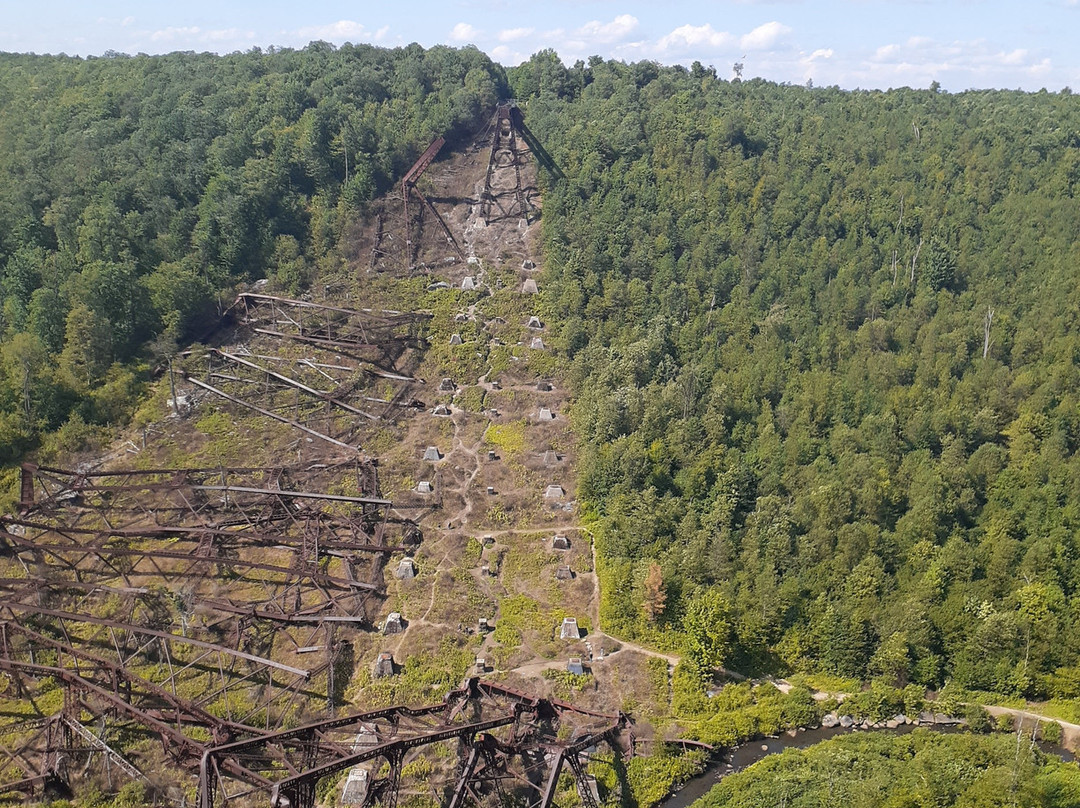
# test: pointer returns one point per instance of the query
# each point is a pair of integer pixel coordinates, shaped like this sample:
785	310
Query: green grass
507	439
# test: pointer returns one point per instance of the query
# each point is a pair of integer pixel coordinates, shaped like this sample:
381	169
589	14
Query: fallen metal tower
323	370
409	188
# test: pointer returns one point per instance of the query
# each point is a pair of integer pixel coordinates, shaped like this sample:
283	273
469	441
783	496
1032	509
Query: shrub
1051	732
978	720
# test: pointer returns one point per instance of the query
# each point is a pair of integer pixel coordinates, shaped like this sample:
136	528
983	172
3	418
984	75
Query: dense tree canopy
135	189
826	351
906	771
824	343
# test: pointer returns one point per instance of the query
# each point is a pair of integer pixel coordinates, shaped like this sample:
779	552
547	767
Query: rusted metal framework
295	552
61	742
409	187
507	743
377	336
198	605
313	396
110	693
504	194
324	370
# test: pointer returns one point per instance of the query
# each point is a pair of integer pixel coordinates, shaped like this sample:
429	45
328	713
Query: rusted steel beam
23	608
296	618
269	414
304	734
104	551
294	383
336	344
236	538
461	788
425	159
390	316
268	512
36	583
277	492
28	785
183	472
185	710
189	746
141	696
181	478
98	745
291	787
291	751
392	735
185	749
485	687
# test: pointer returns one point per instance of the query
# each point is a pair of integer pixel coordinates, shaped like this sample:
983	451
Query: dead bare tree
896	234
988	320
915	258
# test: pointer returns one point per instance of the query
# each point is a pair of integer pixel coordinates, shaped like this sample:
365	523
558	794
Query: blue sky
961	44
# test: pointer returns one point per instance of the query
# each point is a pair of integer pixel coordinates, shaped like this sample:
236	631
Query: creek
734	760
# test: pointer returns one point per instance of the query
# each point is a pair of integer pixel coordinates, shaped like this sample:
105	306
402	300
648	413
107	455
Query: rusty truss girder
506	742
251	545
504	194
289	501
198	606
409	187
374	336
151	670
58	742
303	556
307	397
323	370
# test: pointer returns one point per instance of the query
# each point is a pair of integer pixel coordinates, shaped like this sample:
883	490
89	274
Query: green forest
830	346
908	771
823	344
136	190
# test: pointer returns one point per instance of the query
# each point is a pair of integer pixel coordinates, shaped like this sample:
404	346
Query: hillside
829	342
735	375
349	501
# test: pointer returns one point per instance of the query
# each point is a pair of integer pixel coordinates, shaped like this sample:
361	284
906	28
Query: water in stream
731	761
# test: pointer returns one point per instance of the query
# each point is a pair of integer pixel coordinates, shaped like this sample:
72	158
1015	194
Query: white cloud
340	31
505	55
1016	57
463	32
686	37
124	23
956	64
172	34
191	37
820	53
764	37
512	34
607	32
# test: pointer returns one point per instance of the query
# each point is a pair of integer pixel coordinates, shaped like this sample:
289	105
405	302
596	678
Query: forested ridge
826	349
137	189
823	343
903	772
